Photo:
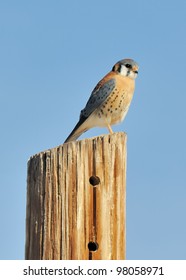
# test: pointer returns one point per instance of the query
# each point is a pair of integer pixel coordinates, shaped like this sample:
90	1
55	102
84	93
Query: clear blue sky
52	54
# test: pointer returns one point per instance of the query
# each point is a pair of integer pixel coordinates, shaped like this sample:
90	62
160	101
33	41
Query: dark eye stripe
119	68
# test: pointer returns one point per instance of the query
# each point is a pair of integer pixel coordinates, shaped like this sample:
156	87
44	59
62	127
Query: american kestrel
110	100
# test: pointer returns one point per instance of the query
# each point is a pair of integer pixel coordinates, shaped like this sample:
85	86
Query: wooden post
76	201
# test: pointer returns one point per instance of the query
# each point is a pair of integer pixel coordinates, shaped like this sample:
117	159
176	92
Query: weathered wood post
76	201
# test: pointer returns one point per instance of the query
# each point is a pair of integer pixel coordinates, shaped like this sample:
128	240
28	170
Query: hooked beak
135	69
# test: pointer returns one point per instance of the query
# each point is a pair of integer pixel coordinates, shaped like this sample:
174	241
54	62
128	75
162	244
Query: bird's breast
115	107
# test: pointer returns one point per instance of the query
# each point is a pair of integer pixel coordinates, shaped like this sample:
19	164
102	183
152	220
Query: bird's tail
79	129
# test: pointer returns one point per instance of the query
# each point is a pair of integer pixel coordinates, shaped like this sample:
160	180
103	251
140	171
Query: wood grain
76	201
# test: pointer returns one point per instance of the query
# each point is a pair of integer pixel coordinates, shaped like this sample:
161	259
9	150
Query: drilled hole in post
93	246
94	180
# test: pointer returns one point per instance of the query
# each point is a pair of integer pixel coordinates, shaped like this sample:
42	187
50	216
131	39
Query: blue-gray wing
99	95
97	98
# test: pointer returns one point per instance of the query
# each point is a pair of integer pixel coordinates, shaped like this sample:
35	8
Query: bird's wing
97	98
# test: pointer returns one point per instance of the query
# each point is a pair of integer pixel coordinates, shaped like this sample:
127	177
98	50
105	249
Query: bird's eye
128	65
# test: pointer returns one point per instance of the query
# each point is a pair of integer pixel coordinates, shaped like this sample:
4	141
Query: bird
110	99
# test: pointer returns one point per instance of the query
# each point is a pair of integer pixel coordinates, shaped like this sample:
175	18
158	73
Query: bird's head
126	67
